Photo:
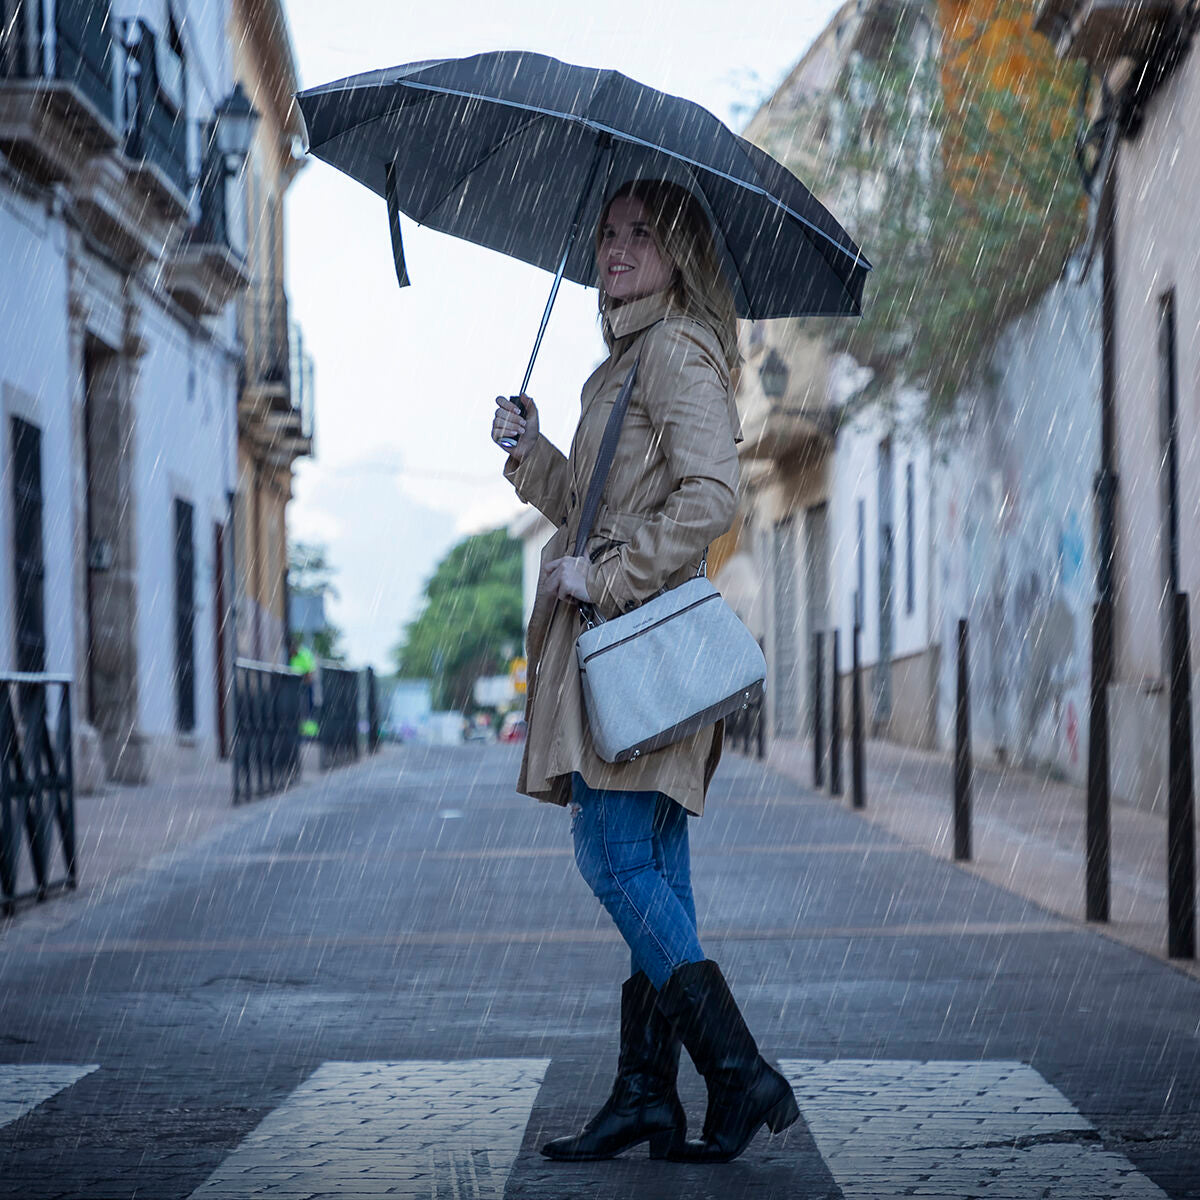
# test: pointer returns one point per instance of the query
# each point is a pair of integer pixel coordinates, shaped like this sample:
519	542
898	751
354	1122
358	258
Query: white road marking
955	1130
449	1130
23	1086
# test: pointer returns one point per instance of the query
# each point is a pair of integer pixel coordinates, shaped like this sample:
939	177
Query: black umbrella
517	151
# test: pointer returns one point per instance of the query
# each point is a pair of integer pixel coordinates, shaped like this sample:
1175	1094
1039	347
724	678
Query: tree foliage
310	573
952	157
471	620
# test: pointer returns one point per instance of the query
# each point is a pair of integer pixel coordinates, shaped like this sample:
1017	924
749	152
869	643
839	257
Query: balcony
57	100
205	271
276	409
155	123
1104	31
780	423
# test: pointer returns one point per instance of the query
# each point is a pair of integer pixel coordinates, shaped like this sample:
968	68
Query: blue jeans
632	849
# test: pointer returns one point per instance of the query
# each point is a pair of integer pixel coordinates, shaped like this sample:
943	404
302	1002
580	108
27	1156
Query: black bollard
858	782
962	755
1098	871
818	735
835	719
1181	812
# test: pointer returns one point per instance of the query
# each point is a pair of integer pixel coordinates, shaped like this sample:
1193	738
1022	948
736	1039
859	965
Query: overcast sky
405	379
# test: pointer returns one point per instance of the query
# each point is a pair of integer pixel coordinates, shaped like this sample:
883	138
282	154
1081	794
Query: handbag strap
608	448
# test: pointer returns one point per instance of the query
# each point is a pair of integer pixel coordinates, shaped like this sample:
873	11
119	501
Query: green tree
471	619
310	573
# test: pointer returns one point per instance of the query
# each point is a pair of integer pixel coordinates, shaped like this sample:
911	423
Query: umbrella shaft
603	142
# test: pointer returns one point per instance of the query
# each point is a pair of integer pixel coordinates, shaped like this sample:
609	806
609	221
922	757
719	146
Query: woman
672	489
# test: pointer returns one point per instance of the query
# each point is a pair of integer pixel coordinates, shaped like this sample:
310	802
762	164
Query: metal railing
154	133
338	719
266	337
69	41
748	727
37	789
266	729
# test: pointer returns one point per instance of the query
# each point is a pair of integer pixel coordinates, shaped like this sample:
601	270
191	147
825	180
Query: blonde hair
682	234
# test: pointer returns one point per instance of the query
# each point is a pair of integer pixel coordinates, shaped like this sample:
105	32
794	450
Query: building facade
275	399
1144	175
859	507
120	216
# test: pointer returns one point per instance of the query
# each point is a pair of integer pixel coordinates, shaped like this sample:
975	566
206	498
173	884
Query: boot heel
661	1144
785	1113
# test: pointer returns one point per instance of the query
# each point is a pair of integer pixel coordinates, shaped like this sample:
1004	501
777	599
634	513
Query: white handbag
678	663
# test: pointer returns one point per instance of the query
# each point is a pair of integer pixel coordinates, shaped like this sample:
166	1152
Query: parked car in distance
512	728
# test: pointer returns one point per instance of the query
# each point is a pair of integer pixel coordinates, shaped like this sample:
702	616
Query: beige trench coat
671	491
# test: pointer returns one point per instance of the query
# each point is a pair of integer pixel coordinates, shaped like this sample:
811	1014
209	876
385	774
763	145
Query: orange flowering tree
951	151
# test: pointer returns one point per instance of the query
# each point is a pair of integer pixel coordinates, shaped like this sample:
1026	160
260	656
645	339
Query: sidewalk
1027	833
122	828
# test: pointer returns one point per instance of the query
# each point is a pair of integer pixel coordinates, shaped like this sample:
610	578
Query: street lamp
774	375
234	120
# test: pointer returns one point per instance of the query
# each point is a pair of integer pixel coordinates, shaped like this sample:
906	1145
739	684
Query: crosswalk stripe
23	1086
986	1130
407	1129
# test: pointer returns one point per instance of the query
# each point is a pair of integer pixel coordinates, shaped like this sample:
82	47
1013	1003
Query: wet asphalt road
415	910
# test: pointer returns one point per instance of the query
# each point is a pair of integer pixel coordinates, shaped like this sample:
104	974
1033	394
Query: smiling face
630	263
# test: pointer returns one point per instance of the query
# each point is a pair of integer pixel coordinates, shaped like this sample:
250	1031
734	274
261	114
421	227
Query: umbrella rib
477	164
857	255
737	266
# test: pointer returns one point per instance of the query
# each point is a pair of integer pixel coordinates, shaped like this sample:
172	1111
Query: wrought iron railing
266	729
37	789
338	718
748	727
301	378
265	331
374	716
69	41
155	132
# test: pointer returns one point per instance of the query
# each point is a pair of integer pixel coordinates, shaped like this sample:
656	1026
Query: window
169	60
910	573
185	619
29	573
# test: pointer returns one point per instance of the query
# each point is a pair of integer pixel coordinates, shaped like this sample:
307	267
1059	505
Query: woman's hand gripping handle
515	425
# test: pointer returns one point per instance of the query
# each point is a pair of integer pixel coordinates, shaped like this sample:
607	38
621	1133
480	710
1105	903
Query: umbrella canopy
518	152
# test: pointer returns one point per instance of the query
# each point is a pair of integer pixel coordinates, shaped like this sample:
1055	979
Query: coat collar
638	314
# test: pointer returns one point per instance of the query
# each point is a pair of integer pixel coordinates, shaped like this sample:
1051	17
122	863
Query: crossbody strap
608	448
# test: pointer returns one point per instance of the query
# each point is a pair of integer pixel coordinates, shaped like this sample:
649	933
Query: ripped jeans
632	849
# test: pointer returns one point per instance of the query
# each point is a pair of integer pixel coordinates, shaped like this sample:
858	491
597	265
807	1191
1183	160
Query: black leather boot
744	1091
643	1105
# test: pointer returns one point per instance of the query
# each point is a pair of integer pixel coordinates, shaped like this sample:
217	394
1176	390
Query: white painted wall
1013	537
36	384
1157	212
855	479
185	435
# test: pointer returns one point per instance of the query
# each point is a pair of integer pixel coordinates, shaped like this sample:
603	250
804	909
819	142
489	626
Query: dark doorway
111	684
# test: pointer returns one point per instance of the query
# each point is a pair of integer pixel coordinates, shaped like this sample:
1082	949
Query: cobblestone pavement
393	982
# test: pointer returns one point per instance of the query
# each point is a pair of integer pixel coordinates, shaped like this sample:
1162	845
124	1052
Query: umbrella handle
604	142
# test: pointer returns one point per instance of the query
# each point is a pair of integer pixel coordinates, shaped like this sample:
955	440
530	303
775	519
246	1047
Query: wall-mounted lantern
773	375
234	120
